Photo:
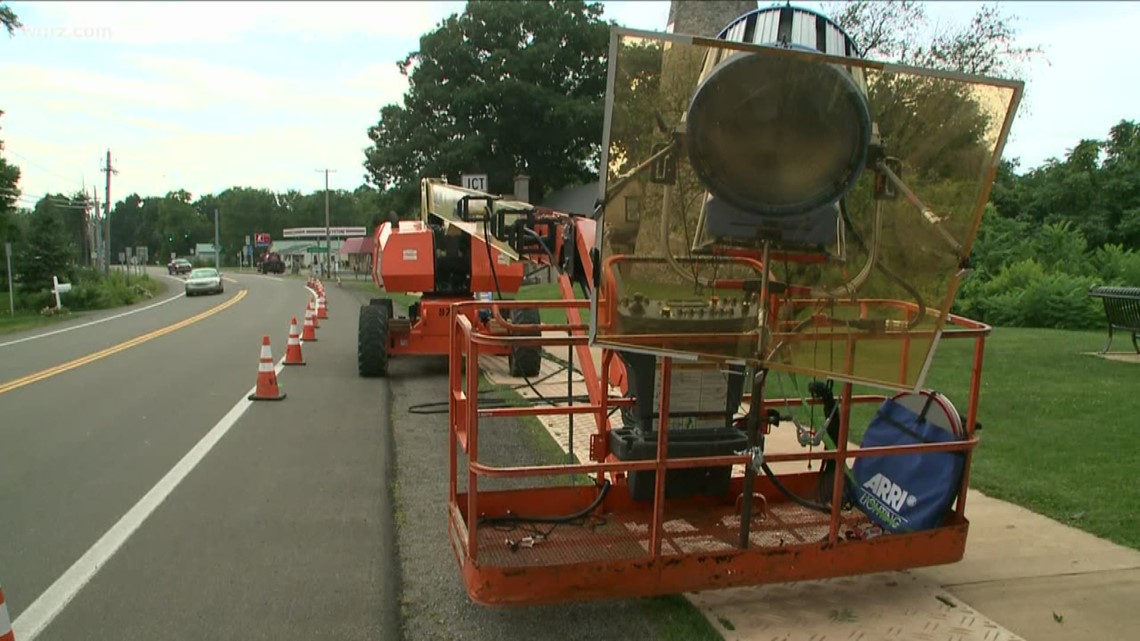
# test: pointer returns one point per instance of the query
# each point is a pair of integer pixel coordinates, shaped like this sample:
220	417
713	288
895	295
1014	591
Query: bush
1117	266
91	290
1025	294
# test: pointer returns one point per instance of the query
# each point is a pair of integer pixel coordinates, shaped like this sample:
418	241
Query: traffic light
170	238
186	236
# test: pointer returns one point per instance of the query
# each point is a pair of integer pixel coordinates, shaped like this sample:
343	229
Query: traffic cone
293	350
322	308
6	633
309	335
266	378
312	307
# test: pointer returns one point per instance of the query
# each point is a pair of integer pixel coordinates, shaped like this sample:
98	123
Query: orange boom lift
754	233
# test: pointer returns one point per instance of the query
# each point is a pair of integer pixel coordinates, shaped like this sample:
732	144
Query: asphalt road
282	529
286	528
434	603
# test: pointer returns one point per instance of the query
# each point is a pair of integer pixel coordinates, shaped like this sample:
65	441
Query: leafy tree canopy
9	193
501	88
9	20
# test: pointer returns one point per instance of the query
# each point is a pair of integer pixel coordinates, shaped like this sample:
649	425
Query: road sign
122	258
319	232
478	182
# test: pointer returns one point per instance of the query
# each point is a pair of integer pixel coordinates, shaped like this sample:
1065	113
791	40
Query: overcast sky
204	96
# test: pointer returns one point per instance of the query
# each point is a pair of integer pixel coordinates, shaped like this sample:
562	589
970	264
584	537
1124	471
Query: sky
203	96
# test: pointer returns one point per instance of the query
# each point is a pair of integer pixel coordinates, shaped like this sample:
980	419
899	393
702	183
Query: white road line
48	605
89	324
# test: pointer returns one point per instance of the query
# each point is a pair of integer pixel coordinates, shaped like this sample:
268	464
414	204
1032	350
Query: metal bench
1122	310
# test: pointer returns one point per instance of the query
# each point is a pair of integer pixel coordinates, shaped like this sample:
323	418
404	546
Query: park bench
1122	309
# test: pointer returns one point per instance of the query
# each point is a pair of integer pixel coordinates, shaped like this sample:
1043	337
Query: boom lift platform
754	234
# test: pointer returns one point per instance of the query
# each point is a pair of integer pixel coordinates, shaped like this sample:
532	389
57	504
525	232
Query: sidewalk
1024	576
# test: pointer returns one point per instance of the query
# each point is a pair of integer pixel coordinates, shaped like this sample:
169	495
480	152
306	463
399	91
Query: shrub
1025	294
1117	266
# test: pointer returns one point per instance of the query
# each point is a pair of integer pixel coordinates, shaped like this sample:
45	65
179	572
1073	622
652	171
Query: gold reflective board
863	183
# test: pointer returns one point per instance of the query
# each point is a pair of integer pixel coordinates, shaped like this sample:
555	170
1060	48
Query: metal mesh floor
612	537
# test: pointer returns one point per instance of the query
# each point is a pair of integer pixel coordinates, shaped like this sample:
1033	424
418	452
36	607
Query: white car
205	280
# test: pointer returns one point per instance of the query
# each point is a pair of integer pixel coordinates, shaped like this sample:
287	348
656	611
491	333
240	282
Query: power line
39	166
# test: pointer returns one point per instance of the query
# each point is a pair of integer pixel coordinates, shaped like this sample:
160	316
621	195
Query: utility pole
95	229
328	238
217	249
109	169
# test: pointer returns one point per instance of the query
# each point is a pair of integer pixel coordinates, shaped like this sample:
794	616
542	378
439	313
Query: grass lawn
1059	426
30	320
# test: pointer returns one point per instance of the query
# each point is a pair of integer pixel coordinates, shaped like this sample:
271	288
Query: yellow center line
115	349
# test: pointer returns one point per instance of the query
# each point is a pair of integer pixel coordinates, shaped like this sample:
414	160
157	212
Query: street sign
319	232
478	182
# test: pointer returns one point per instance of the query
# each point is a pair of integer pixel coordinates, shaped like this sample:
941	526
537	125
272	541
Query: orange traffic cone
312	307
293	350
6	633
322	309
309	335
266	377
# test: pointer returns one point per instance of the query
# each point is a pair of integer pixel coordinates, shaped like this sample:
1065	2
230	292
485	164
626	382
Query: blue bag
909	492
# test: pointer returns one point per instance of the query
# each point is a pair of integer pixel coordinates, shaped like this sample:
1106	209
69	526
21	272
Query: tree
9	20
9	193
895	30
502	88
45	251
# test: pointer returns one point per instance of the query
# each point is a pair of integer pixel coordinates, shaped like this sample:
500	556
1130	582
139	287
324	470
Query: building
356	255
302	253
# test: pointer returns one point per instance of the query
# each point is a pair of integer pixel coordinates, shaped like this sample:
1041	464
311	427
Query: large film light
773	135
771	197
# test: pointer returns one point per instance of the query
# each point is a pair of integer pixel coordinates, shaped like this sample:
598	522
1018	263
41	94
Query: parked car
204	280
179	266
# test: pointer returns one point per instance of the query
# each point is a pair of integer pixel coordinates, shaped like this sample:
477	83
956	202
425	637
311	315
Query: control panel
638	314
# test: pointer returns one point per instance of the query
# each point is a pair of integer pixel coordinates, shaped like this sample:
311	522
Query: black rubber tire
372	342
525	361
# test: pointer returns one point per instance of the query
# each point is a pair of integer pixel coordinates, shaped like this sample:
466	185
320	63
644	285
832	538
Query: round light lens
778	136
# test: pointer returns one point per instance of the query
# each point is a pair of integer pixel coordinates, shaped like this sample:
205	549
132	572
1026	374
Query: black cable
887	271
499	292
541	243
792	495
514	519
